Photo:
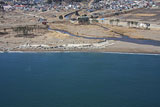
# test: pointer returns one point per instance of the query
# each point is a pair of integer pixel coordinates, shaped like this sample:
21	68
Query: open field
84	30
144	15
107	31
16	18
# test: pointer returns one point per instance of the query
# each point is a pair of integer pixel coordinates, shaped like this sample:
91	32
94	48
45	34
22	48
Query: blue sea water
79	80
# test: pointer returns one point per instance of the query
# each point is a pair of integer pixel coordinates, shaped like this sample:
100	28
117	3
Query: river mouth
122	38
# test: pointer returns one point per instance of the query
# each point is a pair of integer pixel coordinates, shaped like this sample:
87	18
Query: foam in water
78	52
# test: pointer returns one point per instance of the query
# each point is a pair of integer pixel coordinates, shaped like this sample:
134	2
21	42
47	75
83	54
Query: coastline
83	51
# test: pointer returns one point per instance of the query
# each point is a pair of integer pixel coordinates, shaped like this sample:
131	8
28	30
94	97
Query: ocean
79	80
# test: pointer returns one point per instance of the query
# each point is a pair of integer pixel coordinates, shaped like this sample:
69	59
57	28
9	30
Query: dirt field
143	15
98	31
16	18
84	30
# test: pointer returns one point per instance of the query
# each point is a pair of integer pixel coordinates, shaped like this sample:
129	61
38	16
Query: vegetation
114	21
111	22
117	21
25	31
94	21
76	13
3	32
61	17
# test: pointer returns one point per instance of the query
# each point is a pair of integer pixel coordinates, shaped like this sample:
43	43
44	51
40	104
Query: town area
80	25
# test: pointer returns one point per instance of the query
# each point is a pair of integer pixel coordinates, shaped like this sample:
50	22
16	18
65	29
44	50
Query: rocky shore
114	46
43	47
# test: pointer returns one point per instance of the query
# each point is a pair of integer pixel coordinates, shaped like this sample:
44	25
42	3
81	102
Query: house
83	20
7	7
43	21
19	6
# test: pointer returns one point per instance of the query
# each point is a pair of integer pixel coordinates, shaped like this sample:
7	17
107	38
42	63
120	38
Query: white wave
130	53
79	52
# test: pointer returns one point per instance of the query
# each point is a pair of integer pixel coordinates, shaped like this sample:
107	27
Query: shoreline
83	51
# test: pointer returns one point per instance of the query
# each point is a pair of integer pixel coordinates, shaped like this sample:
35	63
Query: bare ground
53	38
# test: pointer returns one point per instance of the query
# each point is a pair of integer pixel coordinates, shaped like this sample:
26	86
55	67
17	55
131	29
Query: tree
4	29
24	30
136	24
111	22
132	23
129	23
117	21
76	13
61	17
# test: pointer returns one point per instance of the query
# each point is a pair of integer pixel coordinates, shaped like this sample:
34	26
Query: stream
122	38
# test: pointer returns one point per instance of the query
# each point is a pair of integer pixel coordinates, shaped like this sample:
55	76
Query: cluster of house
121	4
116	22
39	6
